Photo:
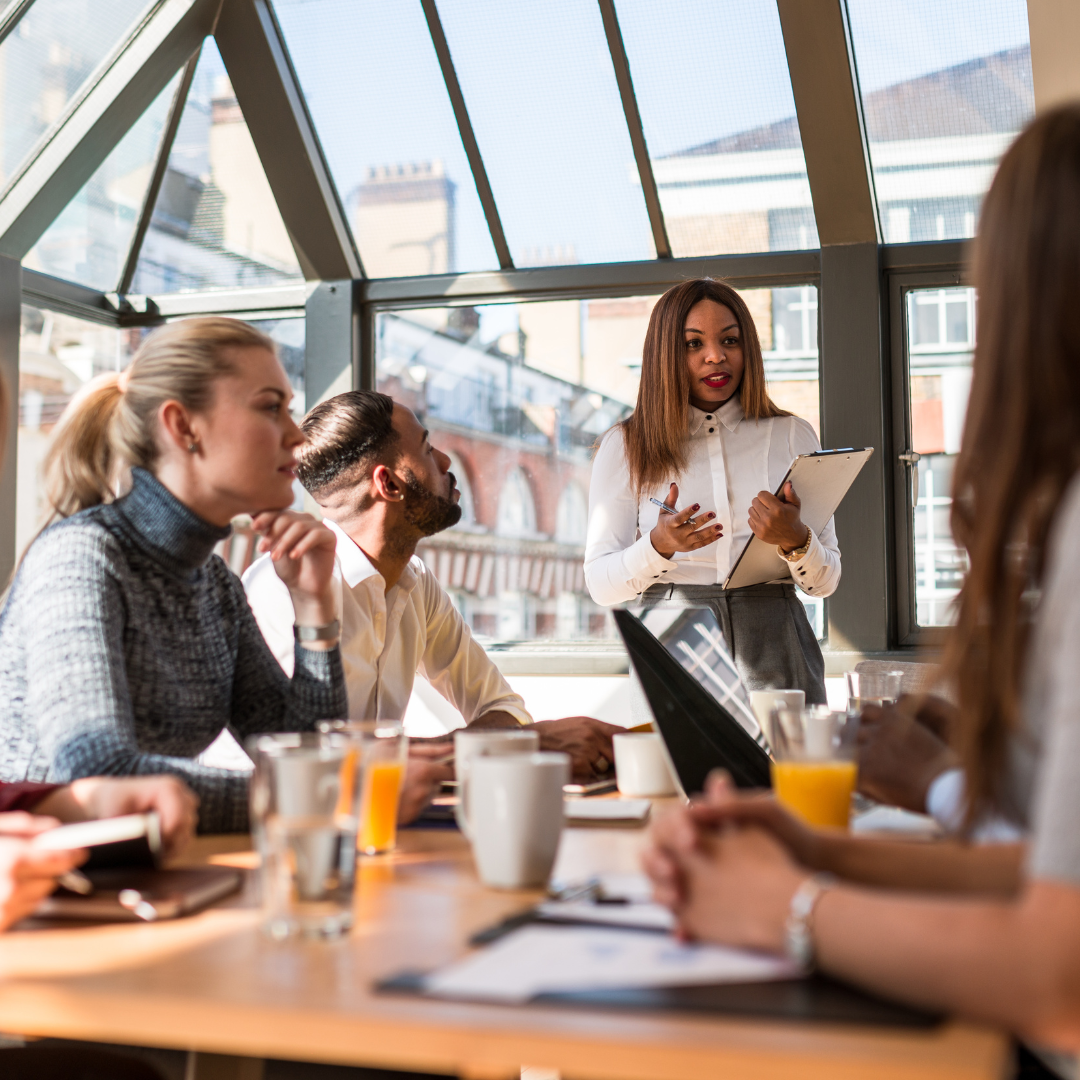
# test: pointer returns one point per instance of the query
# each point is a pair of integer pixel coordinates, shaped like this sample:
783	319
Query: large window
518	395
940	339
945	89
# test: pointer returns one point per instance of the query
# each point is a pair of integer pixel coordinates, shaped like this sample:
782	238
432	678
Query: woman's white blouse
730	459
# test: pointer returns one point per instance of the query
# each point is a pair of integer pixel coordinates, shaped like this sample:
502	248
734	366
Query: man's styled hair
345	435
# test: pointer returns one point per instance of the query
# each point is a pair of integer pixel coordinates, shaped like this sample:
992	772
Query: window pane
215	224
57	354
518	394
90	240
945	88
400	167
729	166
541	93
47	59
941	328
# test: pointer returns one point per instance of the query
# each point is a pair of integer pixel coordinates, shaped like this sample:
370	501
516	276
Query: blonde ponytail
80	467
111	424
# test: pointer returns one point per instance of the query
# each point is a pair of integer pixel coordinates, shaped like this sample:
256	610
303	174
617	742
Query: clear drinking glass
381	748
304	813
813	766
872	688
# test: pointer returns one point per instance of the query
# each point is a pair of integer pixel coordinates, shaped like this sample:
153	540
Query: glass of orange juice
813	769
380	749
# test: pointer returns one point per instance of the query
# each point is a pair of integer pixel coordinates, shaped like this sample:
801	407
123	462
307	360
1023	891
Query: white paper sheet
538	959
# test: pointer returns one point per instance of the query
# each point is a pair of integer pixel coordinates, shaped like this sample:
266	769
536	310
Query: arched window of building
572	515
517	509
461	475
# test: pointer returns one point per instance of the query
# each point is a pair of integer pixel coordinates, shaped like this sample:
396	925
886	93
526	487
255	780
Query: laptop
699	704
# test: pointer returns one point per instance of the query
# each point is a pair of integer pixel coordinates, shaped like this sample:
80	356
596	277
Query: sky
542	97
541	93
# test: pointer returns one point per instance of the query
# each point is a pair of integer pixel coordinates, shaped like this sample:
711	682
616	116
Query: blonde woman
706	435
126	646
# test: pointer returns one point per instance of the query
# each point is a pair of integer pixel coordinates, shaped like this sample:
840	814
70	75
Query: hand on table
777	521
302	550
27	876
682	531
112	796
420	786
899	753
729	883
587	741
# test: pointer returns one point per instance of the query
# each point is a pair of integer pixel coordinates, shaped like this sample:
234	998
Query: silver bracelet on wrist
799	926
330	632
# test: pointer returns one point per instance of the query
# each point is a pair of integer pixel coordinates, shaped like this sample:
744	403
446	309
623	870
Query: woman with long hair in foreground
126	646
739	870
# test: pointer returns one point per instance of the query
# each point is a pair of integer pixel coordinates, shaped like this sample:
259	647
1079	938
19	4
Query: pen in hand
665	509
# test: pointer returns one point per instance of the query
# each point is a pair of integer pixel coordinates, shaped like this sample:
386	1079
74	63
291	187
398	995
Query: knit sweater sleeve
264	697
73	610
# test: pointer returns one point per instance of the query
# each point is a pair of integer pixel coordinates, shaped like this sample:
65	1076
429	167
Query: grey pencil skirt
766	630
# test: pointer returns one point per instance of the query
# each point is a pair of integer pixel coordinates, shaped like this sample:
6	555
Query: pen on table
668	510
77	882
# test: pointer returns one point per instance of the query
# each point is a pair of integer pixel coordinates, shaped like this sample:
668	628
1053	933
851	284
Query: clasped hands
774	519
728	865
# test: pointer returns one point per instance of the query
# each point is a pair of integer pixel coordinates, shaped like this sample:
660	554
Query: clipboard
821	480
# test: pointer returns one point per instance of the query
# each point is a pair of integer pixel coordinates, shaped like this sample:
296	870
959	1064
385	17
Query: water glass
872	688
813	768
304	810
381	750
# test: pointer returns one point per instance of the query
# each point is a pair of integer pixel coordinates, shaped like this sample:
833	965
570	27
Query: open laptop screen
693	637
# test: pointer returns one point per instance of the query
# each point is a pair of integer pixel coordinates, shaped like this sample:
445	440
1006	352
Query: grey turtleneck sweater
126	647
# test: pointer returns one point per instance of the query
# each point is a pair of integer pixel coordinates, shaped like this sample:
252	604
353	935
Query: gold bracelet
799	552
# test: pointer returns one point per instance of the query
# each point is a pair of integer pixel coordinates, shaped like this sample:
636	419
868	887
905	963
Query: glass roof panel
945	89
543	100
48	57
215	223
375	91
90	240
728	162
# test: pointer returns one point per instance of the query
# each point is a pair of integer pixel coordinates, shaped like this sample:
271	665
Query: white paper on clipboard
821	480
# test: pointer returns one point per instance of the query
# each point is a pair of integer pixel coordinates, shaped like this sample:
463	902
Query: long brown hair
1021	443
655	432
111	423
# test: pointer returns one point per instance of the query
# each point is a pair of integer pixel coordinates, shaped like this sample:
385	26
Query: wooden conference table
213	983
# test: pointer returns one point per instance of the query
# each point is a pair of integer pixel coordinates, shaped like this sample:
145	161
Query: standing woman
704	424
126	646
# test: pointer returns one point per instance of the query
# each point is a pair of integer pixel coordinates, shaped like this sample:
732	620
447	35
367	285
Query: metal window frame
99	117
468	136
860	281
949	272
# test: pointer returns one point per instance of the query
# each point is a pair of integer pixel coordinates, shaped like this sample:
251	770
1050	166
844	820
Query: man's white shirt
387	637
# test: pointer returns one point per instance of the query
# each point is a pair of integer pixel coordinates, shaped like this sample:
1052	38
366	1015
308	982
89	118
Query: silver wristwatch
330	632
799	926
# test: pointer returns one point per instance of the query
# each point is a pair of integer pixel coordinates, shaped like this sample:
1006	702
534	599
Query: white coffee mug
517	817
764	701
641	766
469	745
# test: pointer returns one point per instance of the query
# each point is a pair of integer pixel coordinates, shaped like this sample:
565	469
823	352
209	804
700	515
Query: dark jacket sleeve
24	795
